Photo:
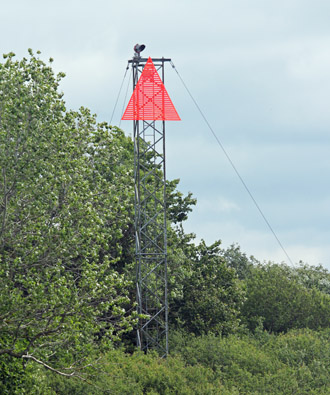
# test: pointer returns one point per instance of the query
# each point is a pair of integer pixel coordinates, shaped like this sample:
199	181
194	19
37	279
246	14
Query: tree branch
31	357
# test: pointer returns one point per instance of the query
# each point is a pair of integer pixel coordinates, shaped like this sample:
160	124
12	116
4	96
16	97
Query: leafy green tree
238	260
178	205
276	298
205	294
65	195
311	277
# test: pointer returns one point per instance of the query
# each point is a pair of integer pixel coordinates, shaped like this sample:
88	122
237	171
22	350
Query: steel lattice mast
147	108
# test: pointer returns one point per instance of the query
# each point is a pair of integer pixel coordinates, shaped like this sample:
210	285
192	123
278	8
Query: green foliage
311	277
64	203
206	295
178	206
282	302
12	375
237	260
296	362
120	373
308	350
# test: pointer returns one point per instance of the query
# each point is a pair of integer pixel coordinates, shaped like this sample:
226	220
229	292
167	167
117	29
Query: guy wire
121	86
233	165
122	111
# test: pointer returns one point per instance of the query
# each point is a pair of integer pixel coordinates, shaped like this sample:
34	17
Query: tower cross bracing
149	107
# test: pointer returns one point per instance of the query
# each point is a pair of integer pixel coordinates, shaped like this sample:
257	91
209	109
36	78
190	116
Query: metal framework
150	224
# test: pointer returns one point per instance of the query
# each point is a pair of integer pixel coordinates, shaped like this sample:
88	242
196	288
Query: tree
65	193
238	261
178	206
205	294
280	302
316	277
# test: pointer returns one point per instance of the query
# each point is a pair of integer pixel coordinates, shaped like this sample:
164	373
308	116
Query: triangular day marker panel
150	100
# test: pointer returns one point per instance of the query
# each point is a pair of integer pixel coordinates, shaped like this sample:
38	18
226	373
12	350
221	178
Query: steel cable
233	165
121	86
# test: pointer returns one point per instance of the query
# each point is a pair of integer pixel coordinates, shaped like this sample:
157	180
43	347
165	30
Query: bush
120	373
296	362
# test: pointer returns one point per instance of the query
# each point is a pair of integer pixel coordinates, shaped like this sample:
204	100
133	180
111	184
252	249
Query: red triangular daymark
150	100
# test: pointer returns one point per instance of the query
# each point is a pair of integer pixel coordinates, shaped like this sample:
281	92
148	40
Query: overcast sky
260	71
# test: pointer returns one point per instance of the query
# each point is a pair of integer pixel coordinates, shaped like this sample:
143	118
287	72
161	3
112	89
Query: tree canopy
63	211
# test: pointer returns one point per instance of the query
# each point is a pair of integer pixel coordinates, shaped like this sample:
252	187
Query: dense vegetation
67	310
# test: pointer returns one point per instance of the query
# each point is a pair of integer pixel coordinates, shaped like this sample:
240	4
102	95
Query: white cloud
216	205
261	243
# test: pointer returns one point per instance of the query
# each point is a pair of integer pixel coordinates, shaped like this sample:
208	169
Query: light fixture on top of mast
138	48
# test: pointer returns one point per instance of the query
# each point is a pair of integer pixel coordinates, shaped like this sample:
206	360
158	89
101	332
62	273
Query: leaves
282	302
62	191
206	295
